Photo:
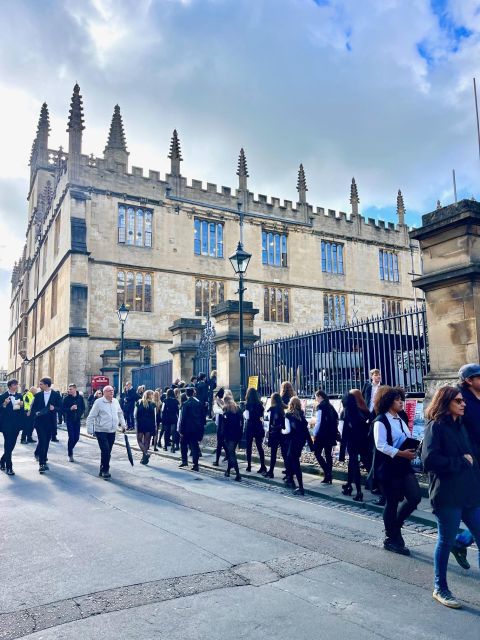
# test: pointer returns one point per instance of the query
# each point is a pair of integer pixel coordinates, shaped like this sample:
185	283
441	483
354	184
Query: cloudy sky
376	89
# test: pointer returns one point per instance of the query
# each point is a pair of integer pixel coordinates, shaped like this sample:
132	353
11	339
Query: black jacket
202	392
192	421
471	418
299	433
454	482
170	411
42	414
232	426
276	421
255	418
327	434
10	419
146	417
69	401
355	432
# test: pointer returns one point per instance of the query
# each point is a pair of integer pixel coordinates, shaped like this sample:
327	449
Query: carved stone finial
302	185
116	135
439	204
242	171
175	154
400	208
354	199
75	119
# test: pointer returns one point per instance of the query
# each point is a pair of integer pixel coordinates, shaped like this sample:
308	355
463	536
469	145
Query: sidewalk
312	481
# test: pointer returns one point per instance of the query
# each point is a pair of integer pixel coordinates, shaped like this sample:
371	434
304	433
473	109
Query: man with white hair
103	420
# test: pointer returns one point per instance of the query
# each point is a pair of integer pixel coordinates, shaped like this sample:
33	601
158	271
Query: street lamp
122	314
239	261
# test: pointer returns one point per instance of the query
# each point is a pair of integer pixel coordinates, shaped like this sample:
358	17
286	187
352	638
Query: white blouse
400	433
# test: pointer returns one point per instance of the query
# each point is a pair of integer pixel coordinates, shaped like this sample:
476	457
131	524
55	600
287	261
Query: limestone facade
63	312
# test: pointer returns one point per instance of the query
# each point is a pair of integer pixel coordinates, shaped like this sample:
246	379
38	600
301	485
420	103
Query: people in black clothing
370	389
297	428
191	428
393	455
451	458
325	434
276	424
145	419
170	409
45	405
232	433
128	402
217	409
73	408
12	419
254	430
201	389
354	440
212	385
159	429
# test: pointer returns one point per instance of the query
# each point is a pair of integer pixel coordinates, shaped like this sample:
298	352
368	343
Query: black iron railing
153	376
339	359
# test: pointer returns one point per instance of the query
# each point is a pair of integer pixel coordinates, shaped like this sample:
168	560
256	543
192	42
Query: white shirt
400	433
318	423
46	397
375	388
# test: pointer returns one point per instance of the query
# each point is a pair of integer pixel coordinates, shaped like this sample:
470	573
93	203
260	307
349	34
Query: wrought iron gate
205	359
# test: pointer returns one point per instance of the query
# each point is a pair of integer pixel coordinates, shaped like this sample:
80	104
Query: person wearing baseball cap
469	383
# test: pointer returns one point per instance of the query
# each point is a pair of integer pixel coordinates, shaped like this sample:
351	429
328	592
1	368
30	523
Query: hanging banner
252	382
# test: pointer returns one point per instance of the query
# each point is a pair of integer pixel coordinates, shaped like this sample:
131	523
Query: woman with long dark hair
253	414
232	433
286	392
276	424
450	458
354	440
145	417
325	434
394	451
297	426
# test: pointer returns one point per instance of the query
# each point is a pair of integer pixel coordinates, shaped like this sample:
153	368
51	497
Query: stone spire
115	153
175	154
242	171
302	185
75	128
400	208
439	204
354	199
39	155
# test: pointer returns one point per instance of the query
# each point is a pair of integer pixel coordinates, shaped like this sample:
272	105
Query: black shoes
106	475
460	555
2	466
227	473
238	478
347	489
358	497
248	469
299	492
183	464
269	474
42	468
395	546
326	480
195	468
10	472
216	463
262	470
55	440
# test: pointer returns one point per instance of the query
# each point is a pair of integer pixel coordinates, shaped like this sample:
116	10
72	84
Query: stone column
227	317
450	245
186	334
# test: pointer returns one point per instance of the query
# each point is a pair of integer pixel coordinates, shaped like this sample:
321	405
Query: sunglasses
459	400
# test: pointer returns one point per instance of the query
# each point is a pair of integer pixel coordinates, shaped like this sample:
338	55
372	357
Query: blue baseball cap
469	371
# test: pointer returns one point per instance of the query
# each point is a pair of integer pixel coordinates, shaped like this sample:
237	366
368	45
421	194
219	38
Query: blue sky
376	89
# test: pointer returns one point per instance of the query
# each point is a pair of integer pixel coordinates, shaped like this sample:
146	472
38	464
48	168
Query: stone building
101	232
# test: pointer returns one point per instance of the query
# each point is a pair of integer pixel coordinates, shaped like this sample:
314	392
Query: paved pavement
160	552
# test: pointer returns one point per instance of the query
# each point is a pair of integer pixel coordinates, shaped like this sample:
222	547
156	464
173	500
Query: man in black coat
128	401
12	421
73	408
45	406
202	392
191	428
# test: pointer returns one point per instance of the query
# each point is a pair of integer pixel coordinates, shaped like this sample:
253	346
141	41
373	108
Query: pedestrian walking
276	424
46	403
232	433
170	411
159	429
325	434
191	428
218	406
254	431
354	440
212	385
73	407
201	390
12	421
129	402
145	419
394	453
297	427
469	378
27	433
450	457
103	421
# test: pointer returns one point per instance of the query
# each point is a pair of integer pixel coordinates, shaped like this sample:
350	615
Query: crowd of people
372	429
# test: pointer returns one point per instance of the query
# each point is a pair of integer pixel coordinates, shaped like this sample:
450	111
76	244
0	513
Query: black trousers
220	444
129	418
295	469
276	440
9	442
258	437
27	428
166	432
231	447
73	428
185	443
326	463
403	496
105	442
44	433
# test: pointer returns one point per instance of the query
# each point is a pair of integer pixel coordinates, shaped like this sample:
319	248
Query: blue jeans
449	519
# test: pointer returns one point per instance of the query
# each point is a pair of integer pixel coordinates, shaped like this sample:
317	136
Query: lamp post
122	314
239	261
